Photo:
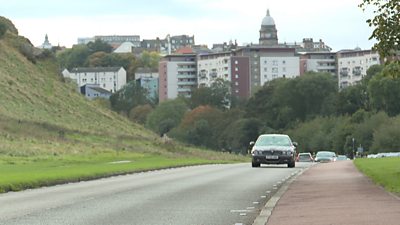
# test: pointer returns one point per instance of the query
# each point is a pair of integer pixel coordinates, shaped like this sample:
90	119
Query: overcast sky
339	23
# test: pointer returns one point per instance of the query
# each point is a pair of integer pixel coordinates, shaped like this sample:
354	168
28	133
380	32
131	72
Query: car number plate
271	157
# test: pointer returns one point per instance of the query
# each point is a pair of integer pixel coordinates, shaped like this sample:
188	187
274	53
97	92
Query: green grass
18	173
383	171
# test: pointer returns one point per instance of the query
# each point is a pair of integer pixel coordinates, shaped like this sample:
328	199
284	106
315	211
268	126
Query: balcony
357	71
213	74
344	72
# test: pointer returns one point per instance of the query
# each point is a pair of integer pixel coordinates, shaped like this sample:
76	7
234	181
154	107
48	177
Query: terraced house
109	78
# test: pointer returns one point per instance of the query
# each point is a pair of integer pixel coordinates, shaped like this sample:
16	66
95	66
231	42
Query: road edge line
266	212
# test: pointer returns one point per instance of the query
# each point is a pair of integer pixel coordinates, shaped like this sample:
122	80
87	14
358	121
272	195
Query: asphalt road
199	195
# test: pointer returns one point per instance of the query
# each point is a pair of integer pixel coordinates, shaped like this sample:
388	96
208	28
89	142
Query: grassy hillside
46	125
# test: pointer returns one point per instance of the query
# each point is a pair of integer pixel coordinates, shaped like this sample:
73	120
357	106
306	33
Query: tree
386	26
281	103
166	116
139	113
150	59
237	135
3	29
198	127
99	46
130	96
387	137
351	99
384	89
217	95
74	57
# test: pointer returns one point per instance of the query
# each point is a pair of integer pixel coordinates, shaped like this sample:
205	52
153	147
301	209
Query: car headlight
288	153
256	152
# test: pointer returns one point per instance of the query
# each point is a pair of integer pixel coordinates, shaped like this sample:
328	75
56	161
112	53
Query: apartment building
267	63
109	78
177	76
113	40
321	62
226	66
352	65
148	79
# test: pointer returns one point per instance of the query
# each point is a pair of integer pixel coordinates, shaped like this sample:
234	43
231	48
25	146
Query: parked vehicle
325	156
273	149
342	158
304	157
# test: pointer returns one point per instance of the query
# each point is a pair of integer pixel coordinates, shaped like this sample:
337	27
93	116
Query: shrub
3	29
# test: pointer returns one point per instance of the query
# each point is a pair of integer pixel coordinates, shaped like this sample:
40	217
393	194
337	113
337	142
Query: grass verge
18	173
383	171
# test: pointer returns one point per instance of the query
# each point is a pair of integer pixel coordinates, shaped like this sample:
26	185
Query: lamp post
353	148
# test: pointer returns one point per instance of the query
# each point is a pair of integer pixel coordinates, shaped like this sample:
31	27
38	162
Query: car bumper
262	159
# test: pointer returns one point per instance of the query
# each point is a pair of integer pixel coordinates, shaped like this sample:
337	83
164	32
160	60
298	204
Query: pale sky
339	23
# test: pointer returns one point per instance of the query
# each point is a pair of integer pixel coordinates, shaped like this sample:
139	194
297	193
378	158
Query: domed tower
268	32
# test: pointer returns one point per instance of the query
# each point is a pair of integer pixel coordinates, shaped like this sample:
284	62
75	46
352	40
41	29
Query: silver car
273	149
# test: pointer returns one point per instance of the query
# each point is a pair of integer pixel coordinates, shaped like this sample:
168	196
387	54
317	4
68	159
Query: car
325	156
304	157
273	149
342	158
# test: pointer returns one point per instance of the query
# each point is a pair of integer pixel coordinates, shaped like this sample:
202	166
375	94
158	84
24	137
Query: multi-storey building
352	65
226	66
278	66
267	63
109	78
113	40
180	41
322	62
148	79
177	76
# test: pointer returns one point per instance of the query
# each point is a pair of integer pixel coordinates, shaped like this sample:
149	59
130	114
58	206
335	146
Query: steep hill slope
50	134
41	114
34	96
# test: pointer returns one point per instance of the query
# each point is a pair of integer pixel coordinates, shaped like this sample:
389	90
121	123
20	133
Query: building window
283	62
236	62
237	76
236	69
275	62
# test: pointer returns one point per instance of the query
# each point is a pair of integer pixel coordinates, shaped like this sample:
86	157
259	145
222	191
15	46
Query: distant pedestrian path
335	194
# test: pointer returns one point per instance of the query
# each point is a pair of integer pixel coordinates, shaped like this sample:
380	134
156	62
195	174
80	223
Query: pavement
330	194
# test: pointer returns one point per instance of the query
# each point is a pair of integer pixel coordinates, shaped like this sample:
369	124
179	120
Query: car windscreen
324	154
273	141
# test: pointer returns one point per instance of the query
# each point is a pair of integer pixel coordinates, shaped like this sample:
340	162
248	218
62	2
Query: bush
139	113
387	137
3	29
28	51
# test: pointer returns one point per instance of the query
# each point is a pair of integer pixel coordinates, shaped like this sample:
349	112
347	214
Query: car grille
272	152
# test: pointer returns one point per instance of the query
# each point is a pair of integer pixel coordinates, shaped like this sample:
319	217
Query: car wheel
292	164
254	164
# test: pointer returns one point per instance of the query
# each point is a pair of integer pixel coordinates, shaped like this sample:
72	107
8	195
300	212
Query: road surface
198	195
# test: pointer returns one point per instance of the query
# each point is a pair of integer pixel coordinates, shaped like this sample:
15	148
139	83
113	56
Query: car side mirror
295	144
251	144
